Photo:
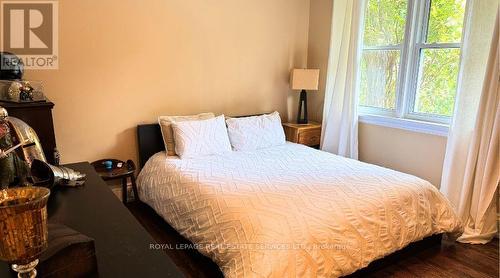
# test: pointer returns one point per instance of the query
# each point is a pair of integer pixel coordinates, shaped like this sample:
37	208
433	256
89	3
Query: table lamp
304	79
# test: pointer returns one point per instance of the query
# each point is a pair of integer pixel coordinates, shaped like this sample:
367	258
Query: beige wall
124	62
317	54
123	66
414	153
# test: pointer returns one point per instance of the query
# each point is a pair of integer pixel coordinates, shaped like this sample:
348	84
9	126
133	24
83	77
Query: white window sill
406	124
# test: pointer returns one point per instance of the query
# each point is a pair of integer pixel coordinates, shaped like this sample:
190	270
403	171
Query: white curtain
340	118
472	164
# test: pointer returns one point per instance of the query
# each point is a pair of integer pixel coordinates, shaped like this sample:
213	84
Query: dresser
38	115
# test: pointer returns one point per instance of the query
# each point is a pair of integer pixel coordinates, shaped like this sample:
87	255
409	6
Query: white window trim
402	117
406	124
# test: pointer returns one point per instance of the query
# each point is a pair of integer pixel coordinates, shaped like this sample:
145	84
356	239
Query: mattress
292	211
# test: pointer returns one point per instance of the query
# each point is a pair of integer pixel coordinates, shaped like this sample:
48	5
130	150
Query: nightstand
126	170
306	134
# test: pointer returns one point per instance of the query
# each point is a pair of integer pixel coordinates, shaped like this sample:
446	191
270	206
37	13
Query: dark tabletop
122	244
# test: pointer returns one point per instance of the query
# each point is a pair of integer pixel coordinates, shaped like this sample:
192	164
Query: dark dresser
122	245
39	116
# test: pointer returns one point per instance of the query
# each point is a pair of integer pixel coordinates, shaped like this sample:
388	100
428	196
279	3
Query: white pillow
256	132
201	137
166	128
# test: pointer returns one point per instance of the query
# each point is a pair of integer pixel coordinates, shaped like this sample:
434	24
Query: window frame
416	27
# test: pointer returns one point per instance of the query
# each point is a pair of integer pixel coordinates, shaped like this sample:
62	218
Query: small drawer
310	137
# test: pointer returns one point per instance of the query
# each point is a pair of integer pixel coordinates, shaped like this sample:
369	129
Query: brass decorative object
14	91
21	91
3	114
23	227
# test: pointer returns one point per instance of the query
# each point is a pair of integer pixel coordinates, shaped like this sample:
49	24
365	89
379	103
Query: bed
290	210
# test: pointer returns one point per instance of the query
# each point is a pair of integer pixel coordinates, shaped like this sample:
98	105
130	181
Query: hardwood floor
448	259
189	261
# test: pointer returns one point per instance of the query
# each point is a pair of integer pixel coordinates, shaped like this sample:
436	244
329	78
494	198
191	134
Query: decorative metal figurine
21	91
48	175
13	170
14	91
32	148
26	92
16	170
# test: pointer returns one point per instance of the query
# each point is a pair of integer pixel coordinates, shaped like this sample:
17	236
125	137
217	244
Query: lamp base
302	119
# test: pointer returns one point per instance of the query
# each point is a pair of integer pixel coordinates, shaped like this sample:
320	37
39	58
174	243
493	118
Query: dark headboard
150	140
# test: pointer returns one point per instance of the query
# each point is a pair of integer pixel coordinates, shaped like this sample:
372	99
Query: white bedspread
292	211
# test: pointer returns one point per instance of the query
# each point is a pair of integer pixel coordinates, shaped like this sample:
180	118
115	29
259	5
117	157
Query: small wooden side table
306	134
126	170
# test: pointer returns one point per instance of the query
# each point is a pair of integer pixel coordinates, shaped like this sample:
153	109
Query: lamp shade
304	79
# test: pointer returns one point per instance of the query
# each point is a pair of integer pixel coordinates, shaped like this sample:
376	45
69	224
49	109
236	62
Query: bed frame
150	141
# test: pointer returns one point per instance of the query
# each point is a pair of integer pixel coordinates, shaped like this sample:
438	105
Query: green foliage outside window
438	67
385	22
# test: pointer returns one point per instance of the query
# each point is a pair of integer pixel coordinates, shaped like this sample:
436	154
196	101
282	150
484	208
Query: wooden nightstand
306	134
125	171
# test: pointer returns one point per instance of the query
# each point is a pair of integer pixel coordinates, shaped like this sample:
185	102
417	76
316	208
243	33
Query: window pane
384	22
446	18
379	72
438	81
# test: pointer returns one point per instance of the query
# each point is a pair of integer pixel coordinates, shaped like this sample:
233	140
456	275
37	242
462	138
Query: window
410	58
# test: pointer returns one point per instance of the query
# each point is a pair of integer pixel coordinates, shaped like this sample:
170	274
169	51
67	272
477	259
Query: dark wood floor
448	259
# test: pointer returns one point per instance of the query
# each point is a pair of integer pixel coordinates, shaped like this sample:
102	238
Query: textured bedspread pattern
292	211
